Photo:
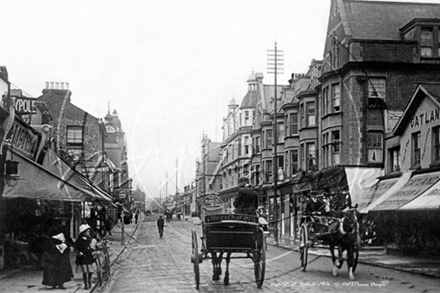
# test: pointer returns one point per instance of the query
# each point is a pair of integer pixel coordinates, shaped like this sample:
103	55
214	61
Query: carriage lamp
11	173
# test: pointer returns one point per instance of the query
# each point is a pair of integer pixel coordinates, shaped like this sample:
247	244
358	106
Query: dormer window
426	42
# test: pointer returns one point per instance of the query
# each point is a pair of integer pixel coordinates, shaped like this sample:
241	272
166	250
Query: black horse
346	238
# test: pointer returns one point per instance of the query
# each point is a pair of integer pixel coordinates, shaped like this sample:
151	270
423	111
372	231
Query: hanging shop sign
24	139
25	105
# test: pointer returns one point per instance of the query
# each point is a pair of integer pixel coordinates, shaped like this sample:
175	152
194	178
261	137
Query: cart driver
314	205
246	201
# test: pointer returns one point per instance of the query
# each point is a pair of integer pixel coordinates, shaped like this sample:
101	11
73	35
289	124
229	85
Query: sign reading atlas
425	118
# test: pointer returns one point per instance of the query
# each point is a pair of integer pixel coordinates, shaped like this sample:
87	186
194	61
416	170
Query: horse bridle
355	226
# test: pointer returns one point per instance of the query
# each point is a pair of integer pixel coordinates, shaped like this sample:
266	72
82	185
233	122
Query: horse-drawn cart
342	233
240	234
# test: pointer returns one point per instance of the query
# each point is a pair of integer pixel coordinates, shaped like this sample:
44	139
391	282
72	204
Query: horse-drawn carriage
240	234
342	233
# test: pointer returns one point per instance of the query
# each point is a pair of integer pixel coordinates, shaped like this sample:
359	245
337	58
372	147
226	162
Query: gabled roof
379	20
430	90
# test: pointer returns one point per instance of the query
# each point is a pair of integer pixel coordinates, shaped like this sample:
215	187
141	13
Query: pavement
27	280
376	256
22	280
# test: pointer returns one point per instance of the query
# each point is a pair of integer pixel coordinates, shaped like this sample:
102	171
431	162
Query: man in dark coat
314	205
160	224
246	201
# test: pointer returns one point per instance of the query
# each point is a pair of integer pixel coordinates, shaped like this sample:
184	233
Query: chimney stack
51	85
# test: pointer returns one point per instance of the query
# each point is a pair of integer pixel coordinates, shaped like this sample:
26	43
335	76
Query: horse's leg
215	264
332	251
340	259
228	259
350	261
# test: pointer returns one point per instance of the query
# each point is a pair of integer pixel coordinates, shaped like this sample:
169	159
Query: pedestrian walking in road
160	225
136	216
57	267
84	258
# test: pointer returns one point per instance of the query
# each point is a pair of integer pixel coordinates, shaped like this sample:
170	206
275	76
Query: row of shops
40	193
399	212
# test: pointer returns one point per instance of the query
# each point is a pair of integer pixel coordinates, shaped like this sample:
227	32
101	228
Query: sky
168	67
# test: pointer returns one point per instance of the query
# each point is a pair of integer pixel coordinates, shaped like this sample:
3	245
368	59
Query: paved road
151	264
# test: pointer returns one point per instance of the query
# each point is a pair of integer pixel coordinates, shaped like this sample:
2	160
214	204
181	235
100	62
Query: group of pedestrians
57	266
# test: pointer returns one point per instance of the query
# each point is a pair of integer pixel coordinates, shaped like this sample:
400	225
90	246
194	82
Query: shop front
406	218
47	196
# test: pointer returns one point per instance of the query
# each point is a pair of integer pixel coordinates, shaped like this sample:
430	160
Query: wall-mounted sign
426	117
25	105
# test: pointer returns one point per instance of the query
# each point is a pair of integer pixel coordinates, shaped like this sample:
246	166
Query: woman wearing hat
57	268
84	257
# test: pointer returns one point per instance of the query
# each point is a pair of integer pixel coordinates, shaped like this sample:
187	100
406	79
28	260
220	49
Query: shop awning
385	189
43	182
428	200
375	192
364	185
414	187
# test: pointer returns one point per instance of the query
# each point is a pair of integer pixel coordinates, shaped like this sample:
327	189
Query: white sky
169	67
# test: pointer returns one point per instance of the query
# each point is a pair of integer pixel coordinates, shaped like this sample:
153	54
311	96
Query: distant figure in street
136	216
160	224
246	201
57	267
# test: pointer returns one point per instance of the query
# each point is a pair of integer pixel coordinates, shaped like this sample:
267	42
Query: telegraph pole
275	67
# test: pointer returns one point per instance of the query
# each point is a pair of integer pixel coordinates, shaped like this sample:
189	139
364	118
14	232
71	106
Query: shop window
415	144
375	147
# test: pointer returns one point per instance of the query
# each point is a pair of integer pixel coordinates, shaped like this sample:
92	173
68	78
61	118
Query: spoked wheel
303	246
195	258
357	247
260	260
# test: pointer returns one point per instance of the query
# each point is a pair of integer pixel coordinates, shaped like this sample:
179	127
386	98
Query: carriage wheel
356	252
303	246
260	261
195	256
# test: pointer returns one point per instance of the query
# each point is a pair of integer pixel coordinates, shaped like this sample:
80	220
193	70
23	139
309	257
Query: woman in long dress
57	267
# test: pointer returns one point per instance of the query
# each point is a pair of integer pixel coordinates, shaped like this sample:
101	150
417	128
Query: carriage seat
211	210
